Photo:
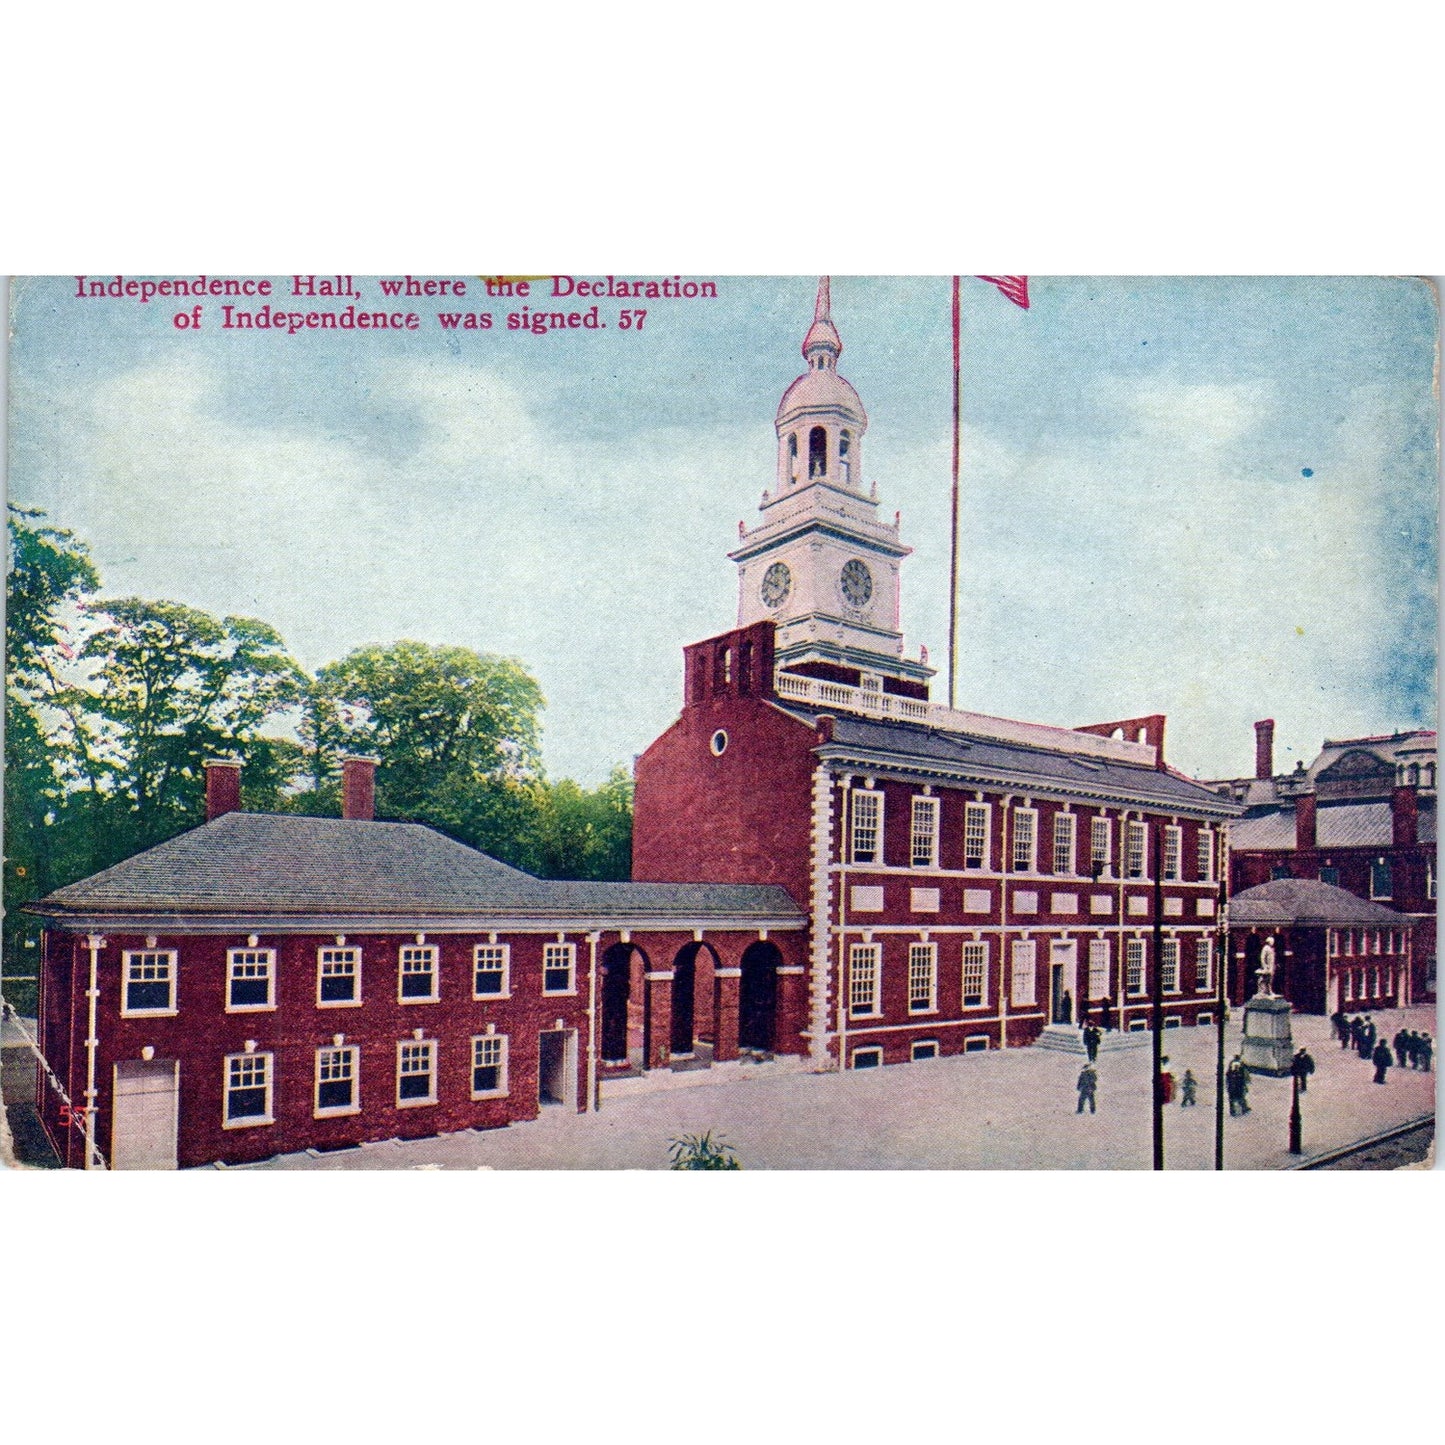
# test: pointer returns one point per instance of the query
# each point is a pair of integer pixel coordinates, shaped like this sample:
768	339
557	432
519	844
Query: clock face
857	583
777	583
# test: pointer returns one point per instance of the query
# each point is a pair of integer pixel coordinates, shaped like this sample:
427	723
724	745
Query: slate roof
919	747
1304	902
267	864
1337	825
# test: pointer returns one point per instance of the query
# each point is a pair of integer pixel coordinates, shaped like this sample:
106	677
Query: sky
1211	498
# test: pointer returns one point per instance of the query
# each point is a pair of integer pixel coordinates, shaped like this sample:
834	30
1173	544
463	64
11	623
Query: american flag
1016	288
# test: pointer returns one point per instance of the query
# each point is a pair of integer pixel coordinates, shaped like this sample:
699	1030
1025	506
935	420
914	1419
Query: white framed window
923	834
1173	846
338	977
338	1075
1136	842
1382	879
1098	968
869	1058
150	982
489	1066
1332	944
975	975
975	835
866	843
416	1072
1024	959
1025	820
923	1049
1101	846
559	966
250	980
1134	966
1204	965
1348	975
863	963
247	1078
1064	843
1169	965
491	970
1206	854
922	978
417	981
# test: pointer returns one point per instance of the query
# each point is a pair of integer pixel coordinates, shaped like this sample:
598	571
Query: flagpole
953	550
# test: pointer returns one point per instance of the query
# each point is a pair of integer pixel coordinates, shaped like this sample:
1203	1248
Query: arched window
793	456
845	444
699	678
745	667
1412	775
817	452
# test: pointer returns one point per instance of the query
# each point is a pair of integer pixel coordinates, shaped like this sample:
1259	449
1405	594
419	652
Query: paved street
1002	1110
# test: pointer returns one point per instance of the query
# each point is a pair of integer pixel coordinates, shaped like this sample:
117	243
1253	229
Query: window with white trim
338	976
922	978
491	969
1024	959
975	835
1206	854
1064	842
416	1072
1169	965
489	1066
975	975
250	979
923	1049
559	962
1023	849
1173	845
418	983
869	1058
1098	968
1348	975
247	1079
867	834
1101	836
150	982
1204	965
1134	966
863	962
923	833
1136	840
1382	884
337	1074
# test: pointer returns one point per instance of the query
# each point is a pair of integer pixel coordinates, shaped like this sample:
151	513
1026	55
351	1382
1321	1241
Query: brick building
1360	817
968	880
264	984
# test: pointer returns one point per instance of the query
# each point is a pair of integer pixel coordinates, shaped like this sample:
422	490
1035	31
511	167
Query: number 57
626	322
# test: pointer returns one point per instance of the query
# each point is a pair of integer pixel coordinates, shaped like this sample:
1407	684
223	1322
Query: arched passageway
624	1022
758	997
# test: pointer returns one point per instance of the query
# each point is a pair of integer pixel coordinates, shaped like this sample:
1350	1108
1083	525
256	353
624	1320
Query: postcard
720	722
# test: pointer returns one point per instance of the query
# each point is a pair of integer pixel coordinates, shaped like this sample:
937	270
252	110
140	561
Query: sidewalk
1009	1109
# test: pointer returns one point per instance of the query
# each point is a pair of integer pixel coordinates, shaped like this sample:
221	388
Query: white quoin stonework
820	954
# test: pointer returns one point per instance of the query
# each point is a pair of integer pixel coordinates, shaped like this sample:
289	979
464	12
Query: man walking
1091	1041
1424	1049
1382	1059
1236	1085
1302	1067
1188	1090
1402	1047
1087	1085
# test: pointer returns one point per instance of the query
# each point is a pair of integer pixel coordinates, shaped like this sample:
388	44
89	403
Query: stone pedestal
1268	1047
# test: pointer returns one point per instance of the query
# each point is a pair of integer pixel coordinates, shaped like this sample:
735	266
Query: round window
719	743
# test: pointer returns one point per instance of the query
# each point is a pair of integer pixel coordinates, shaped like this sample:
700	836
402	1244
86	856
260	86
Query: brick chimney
223	787
1304	821
358	788
1264	748
1404	818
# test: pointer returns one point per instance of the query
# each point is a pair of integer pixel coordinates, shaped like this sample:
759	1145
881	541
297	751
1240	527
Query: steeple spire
823	346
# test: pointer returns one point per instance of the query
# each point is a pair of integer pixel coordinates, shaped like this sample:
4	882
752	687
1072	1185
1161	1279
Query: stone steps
1067	1039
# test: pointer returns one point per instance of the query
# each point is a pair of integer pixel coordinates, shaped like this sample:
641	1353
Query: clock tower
820	564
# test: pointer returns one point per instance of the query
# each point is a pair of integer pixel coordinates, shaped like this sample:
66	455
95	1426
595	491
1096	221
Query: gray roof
1303	902
1337	825
256	864
920	748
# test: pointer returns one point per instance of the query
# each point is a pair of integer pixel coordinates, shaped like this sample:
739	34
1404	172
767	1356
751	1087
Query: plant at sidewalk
702	1151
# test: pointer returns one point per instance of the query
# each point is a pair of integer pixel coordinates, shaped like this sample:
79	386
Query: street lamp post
1296	1144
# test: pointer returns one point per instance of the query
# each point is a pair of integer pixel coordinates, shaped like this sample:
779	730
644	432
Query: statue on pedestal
1266	970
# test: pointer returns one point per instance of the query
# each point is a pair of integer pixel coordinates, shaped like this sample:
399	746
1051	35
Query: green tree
582	834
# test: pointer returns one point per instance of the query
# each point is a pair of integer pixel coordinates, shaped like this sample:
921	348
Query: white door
146	1114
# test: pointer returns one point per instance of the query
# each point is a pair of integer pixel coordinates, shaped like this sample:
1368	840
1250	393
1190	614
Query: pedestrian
1188	1090
1347	1032
1371	1033
1166	1082
1108	1014
1091	1041
1382	1060
1402	1046
1426	1047
1357	1031
1087	1085
1236	1084
1302	1067
1339	1026
1365	1043
1066	1008
1412	1048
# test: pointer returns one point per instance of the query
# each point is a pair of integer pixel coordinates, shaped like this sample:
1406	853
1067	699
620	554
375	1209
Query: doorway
1062	990
145	1114
758	998
556	1067
684	1002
